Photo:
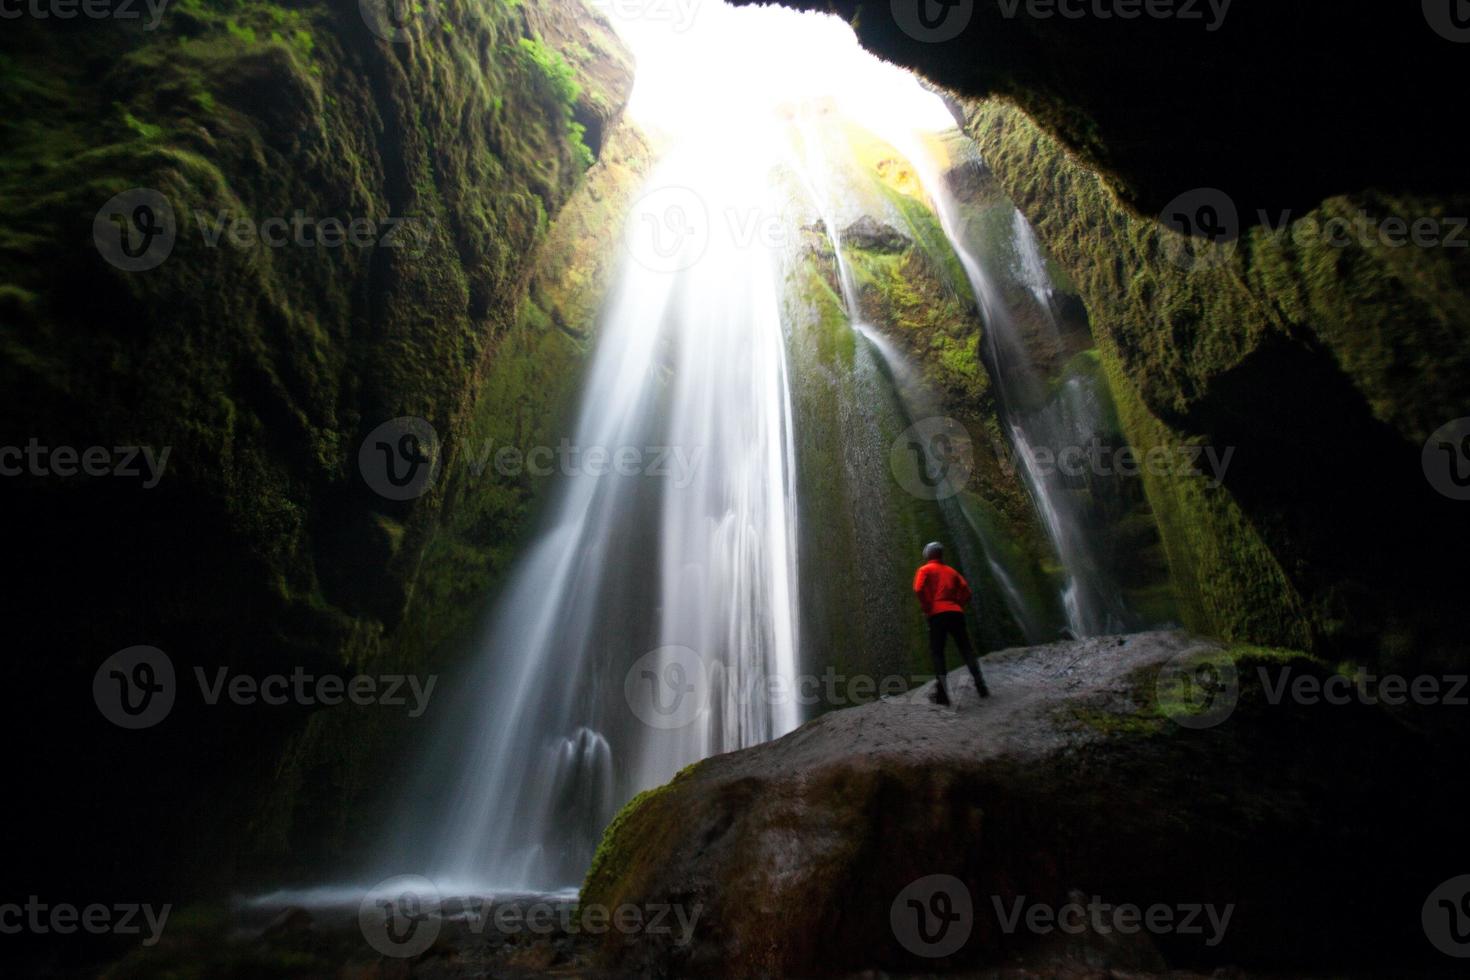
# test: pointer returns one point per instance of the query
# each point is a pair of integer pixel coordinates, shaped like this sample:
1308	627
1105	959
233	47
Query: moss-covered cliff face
866	396
1318	354
858	390
355	226
330	798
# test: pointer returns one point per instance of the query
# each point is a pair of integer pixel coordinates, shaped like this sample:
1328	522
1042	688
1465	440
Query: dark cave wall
263	548
1322	361
1325	366
1160	105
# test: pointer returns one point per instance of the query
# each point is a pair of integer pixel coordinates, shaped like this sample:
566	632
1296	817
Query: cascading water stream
687	576
1035	417
1031	267
646	626
917	405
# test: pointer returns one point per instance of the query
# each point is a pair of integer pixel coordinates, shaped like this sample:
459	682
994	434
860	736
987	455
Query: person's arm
919	578
964	596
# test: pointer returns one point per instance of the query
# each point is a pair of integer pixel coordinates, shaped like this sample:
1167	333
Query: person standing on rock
943	592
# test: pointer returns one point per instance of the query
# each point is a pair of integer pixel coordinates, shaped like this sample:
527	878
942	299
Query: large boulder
1112	771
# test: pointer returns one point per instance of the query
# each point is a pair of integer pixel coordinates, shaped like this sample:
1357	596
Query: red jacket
941	589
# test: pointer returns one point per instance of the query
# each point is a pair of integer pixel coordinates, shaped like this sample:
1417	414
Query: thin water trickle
1036	419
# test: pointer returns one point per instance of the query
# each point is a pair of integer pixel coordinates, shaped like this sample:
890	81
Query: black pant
941	628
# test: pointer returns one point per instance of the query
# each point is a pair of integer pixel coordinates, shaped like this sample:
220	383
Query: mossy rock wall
263	550
862	526
1324	365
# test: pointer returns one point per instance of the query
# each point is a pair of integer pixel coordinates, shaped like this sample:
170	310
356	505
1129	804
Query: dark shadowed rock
871	234
1074	779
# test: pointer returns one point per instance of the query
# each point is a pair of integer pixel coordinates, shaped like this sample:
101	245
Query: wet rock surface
1073	785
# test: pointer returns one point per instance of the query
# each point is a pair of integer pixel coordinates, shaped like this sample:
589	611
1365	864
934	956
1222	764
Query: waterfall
1031	267
1035	417
643	629
655	619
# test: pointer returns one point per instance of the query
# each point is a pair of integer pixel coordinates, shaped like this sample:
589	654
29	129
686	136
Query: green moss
1226	581
610	872
146	130
1154	700
1203	344
271	365
559	79
1150	721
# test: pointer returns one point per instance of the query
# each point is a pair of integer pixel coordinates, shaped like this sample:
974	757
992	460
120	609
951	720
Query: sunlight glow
704	64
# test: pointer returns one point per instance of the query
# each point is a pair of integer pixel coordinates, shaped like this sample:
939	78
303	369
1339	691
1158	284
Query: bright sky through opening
703	64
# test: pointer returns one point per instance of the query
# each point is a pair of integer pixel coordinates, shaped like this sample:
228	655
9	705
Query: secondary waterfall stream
1036	417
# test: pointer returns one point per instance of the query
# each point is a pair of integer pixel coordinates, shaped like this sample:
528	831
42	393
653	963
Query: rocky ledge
1157	772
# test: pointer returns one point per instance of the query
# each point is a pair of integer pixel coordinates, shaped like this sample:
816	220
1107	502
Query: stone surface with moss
1321	358
1102	767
